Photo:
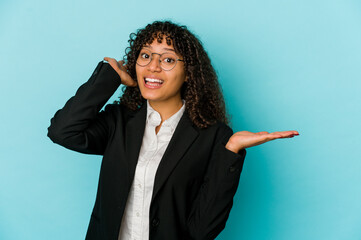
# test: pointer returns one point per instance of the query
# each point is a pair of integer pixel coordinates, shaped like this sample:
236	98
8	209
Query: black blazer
195	181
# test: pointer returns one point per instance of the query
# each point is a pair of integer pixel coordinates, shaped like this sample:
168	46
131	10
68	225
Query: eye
144	55
169	60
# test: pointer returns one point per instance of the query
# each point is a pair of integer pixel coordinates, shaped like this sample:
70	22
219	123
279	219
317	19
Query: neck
166	109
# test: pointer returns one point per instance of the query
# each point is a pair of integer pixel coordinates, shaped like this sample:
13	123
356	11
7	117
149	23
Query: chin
150	96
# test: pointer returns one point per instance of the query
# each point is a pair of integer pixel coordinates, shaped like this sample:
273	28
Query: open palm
246	139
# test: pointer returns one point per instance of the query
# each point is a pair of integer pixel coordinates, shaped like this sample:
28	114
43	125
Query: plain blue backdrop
283	65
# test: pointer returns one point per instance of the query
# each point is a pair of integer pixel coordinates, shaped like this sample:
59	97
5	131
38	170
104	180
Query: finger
291	133
285	134
110	60
266	137
121	62
273	136
261	133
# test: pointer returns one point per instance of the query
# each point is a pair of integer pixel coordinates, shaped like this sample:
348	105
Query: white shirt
135	222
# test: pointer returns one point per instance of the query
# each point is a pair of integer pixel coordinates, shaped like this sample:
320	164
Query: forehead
161	47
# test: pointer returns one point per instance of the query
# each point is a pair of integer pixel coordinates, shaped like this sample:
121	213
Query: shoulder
118	110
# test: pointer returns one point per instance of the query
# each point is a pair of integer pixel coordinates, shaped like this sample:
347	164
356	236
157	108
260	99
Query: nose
154	64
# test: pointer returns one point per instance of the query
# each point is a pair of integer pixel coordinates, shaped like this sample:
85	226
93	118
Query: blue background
282	64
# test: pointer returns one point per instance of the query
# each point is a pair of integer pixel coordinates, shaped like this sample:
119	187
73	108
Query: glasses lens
144	57
168	61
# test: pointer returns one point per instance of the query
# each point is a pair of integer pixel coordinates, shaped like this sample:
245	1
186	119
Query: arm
215	198
214	201
79	125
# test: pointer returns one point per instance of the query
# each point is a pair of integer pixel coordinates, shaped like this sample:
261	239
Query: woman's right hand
121	69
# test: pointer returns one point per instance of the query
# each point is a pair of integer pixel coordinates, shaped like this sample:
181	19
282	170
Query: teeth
153	80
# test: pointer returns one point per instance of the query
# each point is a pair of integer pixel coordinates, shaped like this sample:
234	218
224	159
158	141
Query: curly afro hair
203	97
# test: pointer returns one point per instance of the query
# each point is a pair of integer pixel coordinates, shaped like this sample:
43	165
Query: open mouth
152	82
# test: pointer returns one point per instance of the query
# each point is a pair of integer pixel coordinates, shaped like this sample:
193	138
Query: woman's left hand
245	139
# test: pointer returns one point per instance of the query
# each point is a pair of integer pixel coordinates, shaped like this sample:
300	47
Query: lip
151	86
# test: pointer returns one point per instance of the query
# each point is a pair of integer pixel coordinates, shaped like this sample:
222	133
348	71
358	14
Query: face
156	84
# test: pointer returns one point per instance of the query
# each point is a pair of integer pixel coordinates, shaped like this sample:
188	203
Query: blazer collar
183	136
171	122
134	132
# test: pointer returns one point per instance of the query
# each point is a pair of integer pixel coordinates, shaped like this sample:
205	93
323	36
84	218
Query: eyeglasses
167	60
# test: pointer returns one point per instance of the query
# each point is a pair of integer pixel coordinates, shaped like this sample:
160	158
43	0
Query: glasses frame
160	56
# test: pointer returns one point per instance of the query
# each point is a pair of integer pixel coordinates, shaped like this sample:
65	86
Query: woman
171	165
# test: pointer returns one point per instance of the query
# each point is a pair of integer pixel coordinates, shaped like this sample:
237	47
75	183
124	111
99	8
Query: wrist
119	74
232	147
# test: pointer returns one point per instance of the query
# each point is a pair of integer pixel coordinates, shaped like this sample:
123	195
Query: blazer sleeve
79	125
214	201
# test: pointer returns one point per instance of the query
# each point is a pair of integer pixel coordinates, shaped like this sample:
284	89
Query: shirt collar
153	117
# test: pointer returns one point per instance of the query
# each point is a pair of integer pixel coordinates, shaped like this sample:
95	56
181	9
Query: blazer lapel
182	138
134	132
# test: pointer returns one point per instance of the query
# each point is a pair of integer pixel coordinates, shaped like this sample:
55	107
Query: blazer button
232	169
155	222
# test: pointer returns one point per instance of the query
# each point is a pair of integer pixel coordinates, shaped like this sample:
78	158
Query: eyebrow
167	49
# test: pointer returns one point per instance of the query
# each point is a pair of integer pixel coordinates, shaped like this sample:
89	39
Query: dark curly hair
201	92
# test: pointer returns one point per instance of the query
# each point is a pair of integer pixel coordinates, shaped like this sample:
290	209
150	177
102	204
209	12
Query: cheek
178	84
139	80
179	76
